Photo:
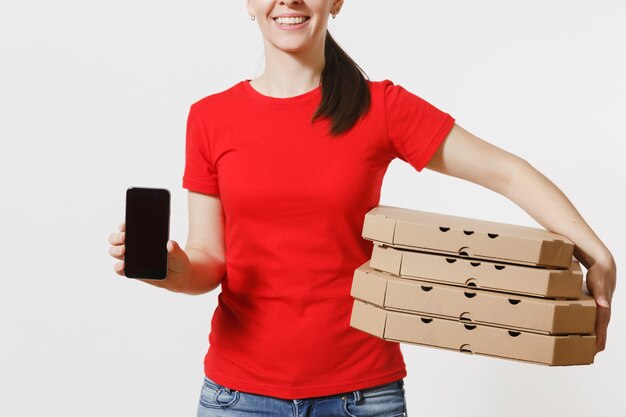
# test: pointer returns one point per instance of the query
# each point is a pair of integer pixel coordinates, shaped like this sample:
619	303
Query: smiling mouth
290	21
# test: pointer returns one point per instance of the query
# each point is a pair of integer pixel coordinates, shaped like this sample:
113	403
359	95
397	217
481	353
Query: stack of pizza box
474	286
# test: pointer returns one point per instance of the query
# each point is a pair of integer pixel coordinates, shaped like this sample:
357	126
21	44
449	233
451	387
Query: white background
94	98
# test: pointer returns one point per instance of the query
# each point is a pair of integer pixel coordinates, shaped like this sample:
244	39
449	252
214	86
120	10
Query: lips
291	23
290	15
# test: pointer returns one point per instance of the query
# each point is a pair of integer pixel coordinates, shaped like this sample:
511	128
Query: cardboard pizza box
489	275
473	338
467	237
477	306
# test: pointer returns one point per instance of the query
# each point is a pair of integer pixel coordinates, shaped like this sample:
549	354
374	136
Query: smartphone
147	232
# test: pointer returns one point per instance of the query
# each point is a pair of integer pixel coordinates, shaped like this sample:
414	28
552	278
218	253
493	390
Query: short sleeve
200	174
415	128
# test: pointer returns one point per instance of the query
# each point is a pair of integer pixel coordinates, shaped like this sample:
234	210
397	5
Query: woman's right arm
205	243
202	265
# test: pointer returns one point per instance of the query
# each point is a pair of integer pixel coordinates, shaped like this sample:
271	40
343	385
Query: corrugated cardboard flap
480	339
512	311
461	236
486	274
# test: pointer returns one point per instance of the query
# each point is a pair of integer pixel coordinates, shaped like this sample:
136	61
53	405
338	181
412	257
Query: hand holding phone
178	267
177	262
147	233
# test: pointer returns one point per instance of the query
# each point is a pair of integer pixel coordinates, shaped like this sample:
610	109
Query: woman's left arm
468	157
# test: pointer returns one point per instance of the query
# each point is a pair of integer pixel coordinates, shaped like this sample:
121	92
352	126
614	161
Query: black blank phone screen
147	232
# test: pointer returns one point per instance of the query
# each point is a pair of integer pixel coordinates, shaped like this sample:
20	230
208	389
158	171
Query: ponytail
345	93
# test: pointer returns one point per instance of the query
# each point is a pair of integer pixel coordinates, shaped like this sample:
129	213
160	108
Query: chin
290	48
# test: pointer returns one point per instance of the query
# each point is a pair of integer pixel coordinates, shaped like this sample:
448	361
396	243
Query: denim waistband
358	394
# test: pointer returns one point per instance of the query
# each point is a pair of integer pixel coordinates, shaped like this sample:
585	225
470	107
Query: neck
288	74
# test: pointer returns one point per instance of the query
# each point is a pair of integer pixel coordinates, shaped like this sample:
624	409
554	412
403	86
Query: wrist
203	275
177	282
604	259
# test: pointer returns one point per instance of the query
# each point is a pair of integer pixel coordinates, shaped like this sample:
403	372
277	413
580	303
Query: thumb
173	249
602	301
179	261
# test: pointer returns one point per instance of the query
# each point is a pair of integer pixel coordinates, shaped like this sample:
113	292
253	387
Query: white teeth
290	20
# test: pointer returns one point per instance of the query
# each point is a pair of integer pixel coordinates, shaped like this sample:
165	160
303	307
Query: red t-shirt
294	202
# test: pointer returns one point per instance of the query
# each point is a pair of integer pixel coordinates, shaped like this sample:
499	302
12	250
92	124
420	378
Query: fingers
117	251
117	238
603	316
119	268
598	290
117	241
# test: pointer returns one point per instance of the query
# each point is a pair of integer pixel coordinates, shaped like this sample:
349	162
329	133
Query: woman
281	171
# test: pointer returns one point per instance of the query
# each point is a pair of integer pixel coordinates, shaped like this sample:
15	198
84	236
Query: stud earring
253	17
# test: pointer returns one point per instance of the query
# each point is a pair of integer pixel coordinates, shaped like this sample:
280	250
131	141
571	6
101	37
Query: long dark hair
345	93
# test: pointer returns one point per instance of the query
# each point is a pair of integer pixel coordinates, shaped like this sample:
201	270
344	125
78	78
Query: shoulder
397	95
377	85
219	100
381	84
384	89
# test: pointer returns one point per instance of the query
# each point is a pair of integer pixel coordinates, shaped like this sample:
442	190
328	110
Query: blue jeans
386	400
